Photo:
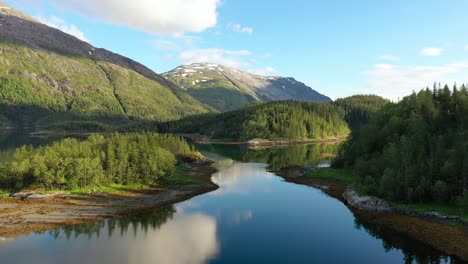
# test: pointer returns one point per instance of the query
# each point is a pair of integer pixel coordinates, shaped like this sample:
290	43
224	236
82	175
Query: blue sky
339	48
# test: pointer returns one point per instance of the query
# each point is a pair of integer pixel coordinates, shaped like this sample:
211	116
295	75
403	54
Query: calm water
255	217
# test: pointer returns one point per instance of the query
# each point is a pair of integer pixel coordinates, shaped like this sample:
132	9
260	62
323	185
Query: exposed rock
366	203
199	79
433	215
38	196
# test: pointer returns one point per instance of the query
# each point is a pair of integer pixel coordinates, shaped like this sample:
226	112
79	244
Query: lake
254	217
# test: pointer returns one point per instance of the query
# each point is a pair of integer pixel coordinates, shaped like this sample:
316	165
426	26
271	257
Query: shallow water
254	217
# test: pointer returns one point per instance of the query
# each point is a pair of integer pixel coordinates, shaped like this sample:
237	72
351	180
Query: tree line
282	120
267	120
415	150
70	163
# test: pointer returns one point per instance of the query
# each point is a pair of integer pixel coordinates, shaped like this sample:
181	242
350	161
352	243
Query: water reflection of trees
414	252
141	222
276	157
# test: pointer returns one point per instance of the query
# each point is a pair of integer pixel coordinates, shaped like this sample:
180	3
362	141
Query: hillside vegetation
272	120
415	150
35	85
50	78
359	108
283	120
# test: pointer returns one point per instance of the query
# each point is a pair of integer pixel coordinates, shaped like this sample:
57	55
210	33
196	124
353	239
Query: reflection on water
159	236
277	157
413	252
236	178
254	217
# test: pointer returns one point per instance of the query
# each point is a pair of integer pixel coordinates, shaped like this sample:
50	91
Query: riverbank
447	236
19	217
259	143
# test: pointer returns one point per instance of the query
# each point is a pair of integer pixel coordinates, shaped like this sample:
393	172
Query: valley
215	157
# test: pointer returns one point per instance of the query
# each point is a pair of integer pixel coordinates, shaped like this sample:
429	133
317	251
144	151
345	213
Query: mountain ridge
213	84
45	68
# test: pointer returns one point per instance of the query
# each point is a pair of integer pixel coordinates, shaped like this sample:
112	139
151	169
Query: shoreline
444	235
23	217
201	139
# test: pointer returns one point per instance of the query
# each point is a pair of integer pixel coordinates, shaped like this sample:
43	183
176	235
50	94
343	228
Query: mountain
225	88
48	76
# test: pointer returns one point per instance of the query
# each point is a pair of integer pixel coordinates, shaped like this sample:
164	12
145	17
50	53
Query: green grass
4	194
113	188
179	177
332	174
447	210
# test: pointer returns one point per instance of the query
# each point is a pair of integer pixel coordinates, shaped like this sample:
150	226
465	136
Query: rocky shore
31	212
366	203
259	143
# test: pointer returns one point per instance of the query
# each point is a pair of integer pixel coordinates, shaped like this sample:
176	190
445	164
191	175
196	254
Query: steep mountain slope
226	88
49	76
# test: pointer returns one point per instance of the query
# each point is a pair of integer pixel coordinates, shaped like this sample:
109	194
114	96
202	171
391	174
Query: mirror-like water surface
255	217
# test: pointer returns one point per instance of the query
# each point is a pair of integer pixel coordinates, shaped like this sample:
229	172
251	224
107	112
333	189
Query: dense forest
359	108
71	164
282	120
272	120
415	150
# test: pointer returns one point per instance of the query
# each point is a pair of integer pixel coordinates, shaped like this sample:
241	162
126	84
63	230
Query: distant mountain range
226	88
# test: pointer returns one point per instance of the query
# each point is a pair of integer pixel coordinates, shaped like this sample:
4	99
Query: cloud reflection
186	238
239	178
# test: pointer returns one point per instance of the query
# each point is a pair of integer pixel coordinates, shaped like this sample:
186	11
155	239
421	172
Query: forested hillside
359	108
415	150
48	77
272	120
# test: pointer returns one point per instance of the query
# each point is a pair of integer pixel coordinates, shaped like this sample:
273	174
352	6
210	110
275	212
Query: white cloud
231	58
164	44
431	52
263	71
187	40
240	29
466	47
62	25
152	16
388	58
393	81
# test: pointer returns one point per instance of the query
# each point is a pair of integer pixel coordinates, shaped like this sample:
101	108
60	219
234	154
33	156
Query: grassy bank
347	177
447	210
178	177
331	174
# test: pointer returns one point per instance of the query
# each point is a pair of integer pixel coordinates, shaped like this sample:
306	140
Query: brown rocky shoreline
19	217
